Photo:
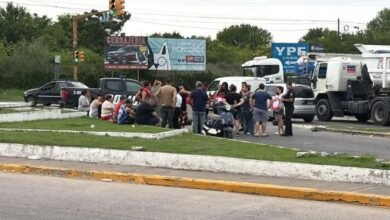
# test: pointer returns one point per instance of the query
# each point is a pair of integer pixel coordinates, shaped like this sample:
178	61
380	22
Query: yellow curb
218	185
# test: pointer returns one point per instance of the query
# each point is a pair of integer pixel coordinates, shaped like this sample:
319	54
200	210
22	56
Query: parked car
50	93
113	86
304	105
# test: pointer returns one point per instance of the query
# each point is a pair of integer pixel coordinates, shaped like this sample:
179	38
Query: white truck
269	69
361	88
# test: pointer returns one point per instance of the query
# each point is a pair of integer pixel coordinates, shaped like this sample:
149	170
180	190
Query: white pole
385	69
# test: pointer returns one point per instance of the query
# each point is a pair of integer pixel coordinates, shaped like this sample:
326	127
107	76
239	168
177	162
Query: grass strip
11	95
186	144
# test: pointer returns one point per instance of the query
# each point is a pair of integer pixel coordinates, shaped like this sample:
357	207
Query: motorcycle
220	121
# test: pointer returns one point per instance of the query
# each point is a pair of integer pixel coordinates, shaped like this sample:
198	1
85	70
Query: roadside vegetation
11	95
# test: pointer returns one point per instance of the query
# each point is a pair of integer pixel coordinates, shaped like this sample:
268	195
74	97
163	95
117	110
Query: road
328	141
37	197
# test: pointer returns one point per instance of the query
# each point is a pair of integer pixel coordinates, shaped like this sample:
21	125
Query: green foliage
378	30
175	35
245	36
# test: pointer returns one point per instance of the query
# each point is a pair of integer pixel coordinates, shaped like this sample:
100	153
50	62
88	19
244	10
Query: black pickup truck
113	86
50	93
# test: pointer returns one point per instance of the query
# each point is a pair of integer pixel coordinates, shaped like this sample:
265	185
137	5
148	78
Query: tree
245	36
17	24
378	29
175	35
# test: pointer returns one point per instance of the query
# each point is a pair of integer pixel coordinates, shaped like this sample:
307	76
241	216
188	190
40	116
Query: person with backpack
277	106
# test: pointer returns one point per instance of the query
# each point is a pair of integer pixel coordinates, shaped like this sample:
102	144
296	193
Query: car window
322	71
303	92
214	85
76	84
271	90
115	85
132	86
49	86
265	70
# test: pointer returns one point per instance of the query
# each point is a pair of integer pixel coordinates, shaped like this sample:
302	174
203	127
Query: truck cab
269	69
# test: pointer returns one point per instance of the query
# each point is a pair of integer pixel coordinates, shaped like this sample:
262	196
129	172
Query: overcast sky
286	20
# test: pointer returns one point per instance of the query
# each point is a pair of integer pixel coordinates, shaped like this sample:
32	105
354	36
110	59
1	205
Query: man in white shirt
177	112
84	101
94	109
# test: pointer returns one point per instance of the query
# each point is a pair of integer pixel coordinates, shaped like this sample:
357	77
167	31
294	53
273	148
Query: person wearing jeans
167	97
246	110
200	98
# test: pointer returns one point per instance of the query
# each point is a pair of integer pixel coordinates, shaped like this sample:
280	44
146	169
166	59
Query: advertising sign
178	54
288	54
124	52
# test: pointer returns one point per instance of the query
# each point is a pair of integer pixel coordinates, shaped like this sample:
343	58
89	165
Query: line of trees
28	44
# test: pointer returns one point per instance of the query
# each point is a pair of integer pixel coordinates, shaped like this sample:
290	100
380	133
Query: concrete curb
156	136
204	184
32	116
13	104
343	131
199	163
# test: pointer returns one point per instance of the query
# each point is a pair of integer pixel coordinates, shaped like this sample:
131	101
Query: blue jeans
248	121
198	119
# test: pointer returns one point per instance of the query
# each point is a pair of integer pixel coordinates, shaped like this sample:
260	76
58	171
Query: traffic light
81	56
112	6
120	7
76	56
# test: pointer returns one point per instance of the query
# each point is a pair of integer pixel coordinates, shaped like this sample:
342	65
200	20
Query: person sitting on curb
84	101
94	109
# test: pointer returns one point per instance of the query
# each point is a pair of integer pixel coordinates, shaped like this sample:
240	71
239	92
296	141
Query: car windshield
77	84
303	92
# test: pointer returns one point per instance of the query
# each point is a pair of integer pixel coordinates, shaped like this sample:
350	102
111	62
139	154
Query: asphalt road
328	141
36	197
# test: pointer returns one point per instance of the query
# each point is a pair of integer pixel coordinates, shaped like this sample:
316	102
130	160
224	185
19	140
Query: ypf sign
288	54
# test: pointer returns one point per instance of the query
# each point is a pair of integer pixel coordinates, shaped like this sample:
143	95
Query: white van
235	80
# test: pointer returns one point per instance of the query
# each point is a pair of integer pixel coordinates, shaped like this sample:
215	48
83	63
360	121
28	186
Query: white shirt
83	104
179	101
107	108
94	111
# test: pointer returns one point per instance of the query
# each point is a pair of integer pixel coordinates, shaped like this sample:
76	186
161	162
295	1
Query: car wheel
380	113
309	118
363	117
323	110
123	60
32	101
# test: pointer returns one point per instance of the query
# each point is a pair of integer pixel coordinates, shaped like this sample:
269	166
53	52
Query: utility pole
338	35
75	19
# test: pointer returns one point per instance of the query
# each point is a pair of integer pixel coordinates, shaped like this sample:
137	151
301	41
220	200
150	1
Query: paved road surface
327	141
36	197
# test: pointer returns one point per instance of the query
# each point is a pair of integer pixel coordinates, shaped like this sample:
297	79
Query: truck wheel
47	104
32	101
309	118
363	117
380	113
323	110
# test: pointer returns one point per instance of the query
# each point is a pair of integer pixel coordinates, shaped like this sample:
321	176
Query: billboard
288	54
177	54
124	52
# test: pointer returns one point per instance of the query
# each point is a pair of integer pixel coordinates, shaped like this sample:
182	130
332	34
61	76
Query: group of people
164	105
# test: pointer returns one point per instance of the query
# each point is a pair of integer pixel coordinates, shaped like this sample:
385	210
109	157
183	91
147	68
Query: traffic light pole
75	19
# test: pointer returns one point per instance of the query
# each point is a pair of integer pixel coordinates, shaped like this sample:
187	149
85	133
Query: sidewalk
323	190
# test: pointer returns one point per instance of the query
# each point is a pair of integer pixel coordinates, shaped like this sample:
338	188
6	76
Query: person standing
246	110
277	106
235	100
177	113
167	97
260	110
200	99
288	100
84	101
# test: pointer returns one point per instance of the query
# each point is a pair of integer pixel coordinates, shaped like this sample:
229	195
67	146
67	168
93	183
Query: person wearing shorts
260	110
277	106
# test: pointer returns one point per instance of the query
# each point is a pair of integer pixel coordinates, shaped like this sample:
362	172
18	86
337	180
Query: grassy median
81	124
184	144
11	95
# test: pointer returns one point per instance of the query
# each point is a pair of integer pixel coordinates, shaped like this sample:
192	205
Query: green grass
11	95
81	124
184	144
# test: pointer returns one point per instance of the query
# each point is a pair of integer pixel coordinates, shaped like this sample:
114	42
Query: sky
287	20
